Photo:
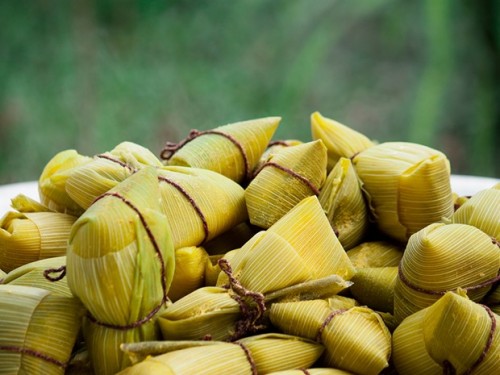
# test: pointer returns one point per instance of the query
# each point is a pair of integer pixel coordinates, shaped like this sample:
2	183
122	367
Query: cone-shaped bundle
38	330
482	211
443	257
52	182
232	150
106	170
26	237
374	287
376	254
342	199
340	140
120	263
407	186
340	331
199	204
284	180
273	148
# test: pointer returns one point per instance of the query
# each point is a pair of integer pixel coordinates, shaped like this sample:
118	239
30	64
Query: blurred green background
90	74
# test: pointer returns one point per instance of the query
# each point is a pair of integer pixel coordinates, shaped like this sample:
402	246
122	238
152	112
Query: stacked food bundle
240	254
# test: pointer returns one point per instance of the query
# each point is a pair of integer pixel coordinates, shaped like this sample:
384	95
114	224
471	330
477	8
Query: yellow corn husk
120	264
2	276
374	287
312	371
340	140
284	191
275	147
443	257
189	274
375	254
340	334
36	321
32	274
342	199
107	170
23	203
459	200
232	239
212	269
267	353
26	237
52	182
220	200
407	186
219	154
482	211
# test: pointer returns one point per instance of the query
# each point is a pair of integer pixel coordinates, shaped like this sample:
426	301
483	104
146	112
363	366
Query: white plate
462	185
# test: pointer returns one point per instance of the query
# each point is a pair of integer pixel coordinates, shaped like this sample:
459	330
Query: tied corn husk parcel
235	253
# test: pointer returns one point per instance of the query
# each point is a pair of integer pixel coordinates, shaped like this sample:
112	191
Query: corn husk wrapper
114	268
2	276
340	335
482	211
269	353
220	200
32	274
284	190
374	287
232	239
106	170
275	147
23	203
375	254
212	269
444	257
26	237
219	154
407	186
342	199
33	321
459	200
313	371
53	179
340	140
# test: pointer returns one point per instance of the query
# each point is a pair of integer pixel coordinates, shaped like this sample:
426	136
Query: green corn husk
374	287
375	254
32	274
36	320
340	335
23	203
2	276
52	182
342	199
115	270
444	257
26	237
219	154
220	200
481	211
313	371
274	185
268	352
407	186
340	140
106	170
275	147
232	239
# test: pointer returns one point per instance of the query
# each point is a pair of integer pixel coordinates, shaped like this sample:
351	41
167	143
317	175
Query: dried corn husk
45	274
273	148
340	140
443	257
2	276
23	203
120	264
52	182
482	211
37	331
26	237
342	199
232	150
189	274
374	287
106	170
375	254
285	179
199	204
312	371
340	332
407	186
259	354
232	239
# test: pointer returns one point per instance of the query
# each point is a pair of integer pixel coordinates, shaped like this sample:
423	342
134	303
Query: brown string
162	263
291	173
34	353
251	315
171	148
47	272
410	285
278	143
192	202
327	321
305	371
117	161
253	366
